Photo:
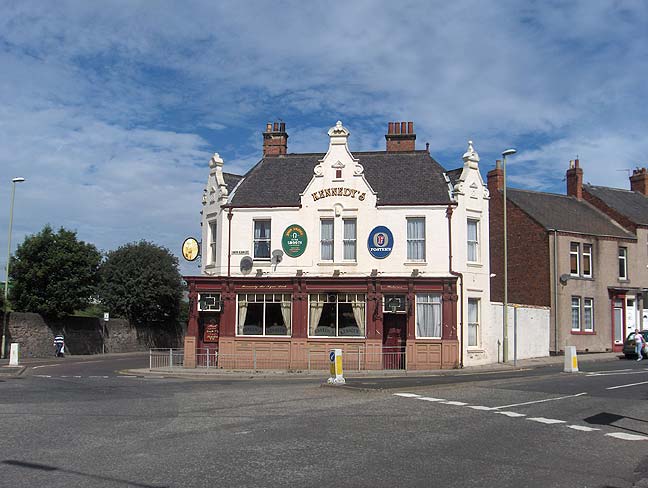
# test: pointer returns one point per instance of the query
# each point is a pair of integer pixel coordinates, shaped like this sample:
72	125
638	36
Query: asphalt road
81	424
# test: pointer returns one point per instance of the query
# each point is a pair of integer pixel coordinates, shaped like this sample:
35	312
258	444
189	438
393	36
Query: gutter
229	241
460	276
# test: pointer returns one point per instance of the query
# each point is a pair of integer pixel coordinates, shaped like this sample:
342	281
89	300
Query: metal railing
165	358
317	359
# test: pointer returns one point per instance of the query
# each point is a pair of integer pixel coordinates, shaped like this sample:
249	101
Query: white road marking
97	376
616	374
430	399
609	371
582	428
627	437
539	401
543	420
625	386
459	404
407	395
512	414
76	377
42	376
479	407
45	366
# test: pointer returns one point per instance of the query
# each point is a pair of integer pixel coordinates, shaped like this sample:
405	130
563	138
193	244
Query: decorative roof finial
471	156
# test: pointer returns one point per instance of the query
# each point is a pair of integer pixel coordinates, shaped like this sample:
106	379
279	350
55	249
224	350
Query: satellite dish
564	278
246	264
277	256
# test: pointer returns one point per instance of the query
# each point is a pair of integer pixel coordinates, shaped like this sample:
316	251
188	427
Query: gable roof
231	180
453	175
566	213
631	204
397	178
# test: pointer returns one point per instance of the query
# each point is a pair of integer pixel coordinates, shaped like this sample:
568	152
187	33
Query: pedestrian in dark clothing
59	343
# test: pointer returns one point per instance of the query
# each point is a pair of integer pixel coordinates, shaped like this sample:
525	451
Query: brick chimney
575	180
639	181
275	139
400	137
495	178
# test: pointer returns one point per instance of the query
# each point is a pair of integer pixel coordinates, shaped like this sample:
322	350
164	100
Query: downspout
555	283
460	276
229	240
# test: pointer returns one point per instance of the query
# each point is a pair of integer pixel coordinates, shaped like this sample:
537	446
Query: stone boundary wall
84	335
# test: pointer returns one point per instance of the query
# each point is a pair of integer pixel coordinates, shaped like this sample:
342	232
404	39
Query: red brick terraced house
584	254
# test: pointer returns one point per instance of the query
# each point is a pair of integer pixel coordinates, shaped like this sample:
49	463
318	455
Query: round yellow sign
190	249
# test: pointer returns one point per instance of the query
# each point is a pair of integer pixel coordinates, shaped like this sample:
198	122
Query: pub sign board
380	242
294	241
211	333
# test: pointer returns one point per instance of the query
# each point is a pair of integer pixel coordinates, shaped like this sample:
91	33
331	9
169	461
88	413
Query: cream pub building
383	254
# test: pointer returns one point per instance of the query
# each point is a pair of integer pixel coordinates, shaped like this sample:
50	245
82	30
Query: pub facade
383	254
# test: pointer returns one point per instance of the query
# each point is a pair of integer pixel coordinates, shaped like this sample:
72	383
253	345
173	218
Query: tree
141	281
53	273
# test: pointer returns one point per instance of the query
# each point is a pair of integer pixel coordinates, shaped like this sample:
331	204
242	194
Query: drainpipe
555	283
229	241
460	276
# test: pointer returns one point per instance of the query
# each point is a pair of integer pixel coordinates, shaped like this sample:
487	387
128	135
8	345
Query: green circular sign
294	240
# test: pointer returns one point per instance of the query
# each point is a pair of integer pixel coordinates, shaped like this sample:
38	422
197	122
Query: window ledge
210	266
583	332
415	263
328	338
475	349
474	264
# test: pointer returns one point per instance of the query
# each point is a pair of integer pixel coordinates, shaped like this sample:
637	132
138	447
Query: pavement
522	364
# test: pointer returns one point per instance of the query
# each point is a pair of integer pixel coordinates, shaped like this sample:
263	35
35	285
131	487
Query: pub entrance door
394	339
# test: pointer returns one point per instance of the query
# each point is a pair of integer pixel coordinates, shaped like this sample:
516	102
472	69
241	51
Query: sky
111	110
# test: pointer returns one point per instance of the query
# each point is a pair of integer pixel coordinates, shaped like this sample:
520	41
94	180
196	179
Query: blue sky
111	110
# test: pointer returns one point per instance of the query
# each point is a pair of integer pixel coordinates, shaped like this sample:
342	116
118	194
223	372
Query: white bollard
14	354
337	376
571	361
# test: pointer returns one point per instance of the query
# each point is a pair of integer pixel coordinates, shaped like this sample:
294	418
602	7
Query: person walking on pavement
59	343
639	342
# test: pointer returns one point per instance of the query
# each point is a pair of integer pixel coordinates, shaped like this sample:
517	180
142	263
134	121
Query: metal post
309	365
150	359
170	357
207	349
505	307
515	314
358	358
5	325
254	356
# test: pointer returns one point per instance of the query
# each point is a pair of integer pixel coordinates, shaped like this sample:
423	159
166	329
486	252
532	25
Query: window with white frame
623	263
588	314
209	302
350	239
473	322
262	239
415	239
473	240
212	242
574	259
576	313
587	260
326	239
337	315
264	314
428	315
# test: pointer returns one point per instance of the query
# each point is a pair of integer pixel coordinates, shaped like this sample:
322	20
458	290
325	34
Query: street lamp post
5	325
508	152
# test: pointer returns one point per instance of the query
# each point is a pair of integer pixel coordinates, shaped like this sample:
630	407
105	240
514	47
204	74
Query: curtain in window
285	313
327	240
428	318
242	313
315	314
350	239
415	239
473	321
472	240
359	315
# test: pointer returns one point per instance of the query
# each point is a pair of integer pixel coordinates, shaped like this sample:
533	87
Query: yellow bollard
337	376
571	360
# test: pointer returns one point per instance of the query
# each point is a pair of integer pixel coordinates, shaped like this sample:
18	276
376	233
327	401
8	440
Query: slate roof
565	213
631	204
397	178
454	174
231	180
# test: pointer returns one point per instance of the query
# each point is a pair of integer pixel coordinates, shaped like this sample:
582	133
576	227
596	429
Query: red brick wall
529	267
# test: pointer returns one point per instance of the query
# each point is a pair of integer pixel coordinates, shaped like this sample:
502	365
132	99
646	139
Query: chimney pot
639	181
427	146
282	127
410	127
396	128
575	180
390	128
403	127
400	137
275	139
276	127
268	127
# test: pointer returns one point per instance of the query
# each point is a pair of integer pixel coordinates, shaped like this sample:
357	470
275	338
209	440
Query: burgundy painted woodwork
394	340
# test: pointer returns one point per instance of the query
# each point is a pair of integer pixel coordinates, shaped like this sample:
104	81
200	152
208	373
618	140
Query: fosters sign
338	192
